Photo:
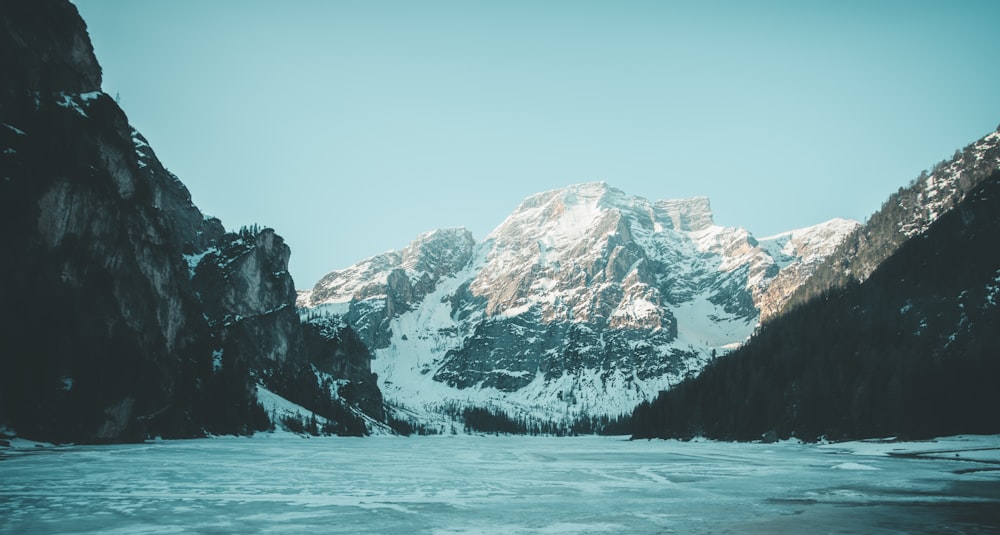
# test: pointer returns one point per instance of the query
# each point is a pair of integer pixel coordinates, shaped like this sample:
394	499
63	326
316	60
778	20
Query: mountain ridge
906	213
584	300
894	335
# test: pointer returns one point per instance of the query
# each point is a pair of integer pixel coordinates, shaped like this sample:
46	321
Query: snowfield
509	485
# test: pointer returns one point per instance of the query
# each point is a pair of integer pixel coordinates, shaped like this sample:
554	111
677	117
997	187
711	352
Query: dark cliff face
127	313
507	353
46	49
101	335
337	350
249	297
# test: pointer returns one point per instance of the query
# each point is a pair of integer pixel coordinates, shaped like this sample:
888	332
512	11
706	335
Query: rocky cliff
338	352
249	297
101	332
387	285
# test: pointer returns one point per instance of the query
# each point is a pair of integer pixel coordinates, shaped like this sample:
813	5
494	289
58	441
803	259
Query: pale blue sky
351	127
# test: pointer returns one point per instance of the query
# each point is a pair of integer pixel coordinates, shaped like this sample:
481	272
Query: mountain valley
129	314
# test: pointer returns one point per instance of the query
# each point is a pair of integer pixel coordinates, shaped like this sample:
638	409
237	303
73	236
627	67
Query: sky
351	127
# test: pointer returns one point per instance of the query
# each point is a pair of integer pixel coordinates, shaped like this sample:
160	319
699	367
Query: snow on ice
509	485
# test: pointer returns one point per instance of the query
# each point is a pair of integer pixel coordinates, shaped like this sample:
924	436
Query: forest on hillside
911	352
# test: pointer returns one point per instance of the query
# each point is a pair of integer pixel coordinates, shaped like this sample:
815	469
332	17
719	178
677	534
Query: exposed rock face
126	312
193	229
336	350
387	285
102	337
798	254
686	214
250	297
433	255
584	301
46	50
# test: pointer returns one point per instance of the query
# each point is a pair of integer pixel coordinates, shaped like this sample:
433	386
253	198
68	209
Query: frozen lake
508	485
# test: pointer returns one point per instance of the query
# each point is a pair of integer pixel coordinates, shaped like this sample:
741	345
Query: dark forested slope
906	213
912	351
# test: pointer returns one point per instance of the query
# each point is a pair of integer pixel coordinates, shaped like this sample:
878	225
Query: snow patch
992	290
854	466
77	101
14	129
194	259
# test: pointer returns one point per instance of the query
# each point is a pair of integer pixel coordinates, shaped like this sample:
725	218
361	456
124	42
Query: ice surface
855	466
510	485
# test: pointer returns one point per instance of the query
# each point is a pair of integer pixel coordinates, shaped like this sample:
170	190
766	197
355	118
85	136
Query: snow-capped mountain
584	301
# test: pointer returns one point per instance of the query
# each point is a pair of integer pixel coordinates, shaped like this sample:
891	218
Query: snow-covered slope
797	254
584	301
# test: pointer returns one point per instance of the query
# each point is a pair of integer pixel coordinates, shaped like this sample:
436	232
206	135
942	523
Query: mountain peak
568	212
46	49
439	251
691	214
563	215
576	194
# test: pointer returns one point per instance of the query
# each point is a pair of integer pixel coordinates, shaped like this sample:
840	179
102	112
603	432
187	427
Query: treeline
300	386
914	351
493	420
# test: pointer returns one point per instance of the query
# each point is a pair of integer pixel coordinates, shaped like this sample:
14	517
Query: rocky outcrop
370	294
193	229
46	50
249	297
337	351
686	214
508	354
798	254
